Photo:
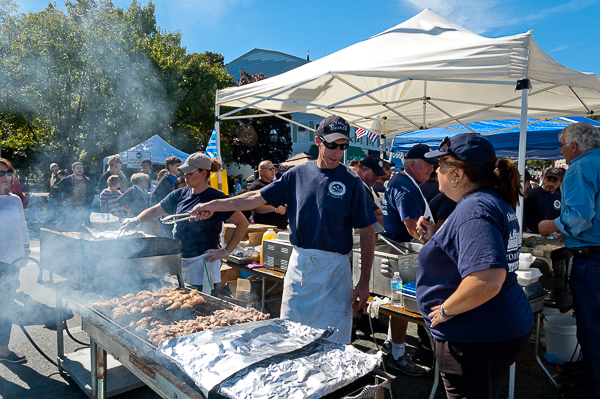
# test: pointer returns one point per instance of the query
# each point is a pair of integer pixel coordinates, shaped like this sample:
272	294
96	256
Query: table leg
538	318
262	301
60	348
101	372
511	381
436	370
94	368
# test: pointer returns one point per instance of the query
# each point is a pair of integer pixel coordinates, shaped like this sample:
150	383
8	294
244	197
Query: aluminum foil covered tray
209	357
310	372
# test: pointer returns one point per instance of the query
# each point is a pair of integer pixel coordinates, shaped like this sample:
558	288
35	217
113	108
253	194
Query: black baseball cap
334	128
469	147
374	163
418	151
555	172
146	162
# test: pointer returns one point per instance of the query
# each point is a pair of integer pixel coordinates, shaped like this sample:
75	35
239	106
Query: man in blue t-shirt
403	205
543	203
325	201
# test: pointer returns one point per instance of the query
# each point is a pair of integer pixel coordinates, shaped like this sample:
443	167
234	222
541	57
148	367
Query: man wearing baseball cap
325	202
369	170
543	203
403	205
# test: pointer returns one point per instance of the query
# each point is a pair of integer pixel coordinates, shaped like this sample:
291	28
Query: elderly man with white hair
579	224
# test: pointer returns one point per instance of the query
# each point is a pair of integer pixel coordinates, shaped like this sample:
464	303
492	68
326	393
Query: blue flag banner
211	148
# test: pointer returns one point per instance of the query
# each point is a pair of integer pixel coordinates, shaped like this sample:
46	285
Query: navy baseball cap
418	151
374	163
334	128
469	147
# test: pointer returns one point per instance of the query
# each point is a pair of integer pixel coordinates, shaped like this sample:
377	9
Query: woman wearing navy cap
467	290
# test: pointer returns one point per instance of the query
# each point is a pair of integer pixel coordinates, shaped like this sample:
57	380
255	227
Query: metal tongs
172	219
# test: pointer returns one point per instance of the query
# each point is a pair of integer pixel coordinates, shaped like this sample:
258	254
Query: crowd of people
458	200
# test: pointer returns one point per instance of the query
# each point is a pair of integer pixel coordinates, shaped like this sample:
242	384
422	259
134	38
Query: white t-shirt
13	233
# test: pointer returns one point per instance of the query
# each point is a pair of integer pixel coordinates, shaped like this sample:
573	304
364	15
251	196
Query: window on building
295	133
311	124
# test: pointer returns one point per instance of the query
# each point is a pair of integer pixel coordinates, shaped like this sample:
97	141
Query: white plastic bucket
561	337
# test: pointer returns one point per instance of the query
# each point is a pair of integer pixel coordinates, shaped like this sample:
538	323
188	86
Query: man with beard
77	193
543	203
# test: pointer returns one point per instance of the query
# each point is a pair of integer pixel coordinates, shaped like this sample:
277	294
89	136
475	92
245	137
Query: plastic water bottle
397	299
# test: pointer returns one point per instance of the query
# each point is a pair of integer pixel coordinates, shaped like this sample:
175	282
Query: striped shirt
108	200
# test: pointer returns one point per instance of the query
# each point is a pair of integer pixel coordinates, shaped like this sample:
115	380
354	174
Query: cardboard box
257	229
228	273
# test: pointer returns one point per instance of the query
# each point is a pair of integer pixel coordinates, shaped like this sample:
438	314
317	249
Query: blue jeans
585	287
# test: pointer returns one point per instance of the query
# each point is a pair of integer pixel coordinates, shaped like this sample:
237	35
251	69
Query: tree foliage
97	79
256	139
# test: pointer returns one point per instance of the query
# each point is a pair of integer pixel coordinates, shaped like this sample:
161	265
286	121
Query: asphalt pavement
39	378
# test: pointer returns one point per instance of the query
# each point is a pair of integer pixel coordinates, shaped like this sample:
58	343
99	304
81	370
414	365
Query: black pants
9	283
476	369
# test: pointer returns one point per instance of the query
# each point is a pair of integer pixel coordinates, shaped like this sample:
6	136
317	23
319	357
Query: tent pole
218	130
522	143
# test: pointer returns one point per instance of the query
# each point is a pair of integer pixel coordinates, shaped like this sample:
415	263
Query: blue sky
569	31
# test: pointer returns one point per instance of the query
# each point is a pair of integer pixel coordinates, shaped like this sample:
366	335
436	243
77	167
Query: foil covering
211	356
310	372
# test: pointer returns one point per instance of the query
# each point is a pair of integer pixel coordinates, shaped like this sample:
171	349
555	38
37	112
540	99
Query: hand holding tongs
172	219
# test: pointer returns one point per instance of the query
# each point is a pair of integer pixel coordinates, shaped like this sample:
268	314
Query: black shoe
406	365
13	358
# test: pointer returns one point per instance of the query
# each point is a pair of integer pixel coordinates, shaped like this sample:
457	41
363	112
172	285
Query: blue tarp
542	136
159	150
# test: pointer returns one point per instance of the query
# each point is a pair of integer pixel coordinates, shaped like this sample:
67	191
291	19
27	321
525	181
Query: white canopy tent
423	73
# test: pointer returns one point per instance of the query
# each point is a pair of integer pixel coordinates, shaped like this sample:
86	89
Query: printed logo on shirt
511	216
512	250
557	204
337	189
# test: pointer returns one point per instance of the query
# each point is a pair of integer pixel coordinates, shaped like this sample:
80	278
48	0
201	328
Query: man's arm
270	208
379	216
411	226
547	227
367	250
244	202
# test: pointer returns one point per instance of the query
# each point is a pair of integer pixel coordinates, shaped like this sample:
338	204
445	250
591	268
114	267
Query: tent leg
522	145
218	130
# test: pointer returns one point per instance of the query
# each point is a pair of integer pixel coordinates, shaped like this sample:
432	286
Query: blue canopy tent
159	150
542	136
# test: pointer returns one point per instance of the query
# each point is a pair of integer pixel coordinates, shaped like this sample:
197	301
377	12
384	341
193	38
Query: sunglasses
269	168
445	145
6	172
333	146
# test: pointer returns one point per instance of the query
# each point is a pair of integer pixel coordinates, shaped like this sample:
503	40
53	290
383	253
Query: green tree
257	139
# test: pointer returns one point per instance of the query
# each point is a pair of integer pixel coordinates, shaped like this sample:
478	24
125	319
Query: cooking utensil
172	219
388	242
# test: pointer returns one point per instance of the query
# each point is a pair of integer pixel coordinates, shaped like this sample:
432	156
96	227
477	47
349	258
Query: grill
91	262
553	260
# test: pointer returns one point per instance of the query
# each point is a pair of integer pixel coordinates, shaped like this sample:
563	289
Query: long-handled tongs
172	219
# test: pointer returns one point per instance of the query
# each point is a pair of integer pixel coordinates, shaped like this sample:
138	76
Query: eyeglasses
269	168
560	147
6	173
333	146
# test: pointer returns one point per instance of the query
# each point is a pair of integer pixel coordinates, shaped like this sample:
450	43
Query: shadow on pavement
39	385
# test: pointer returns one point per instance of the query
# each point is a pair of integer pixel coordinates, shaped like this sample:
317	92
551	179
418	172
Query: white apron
317	292
195	271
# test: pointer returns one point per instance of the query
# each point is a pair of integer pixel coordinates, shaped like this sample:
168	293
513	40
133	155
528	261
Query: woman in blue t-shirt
200	250
467	290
